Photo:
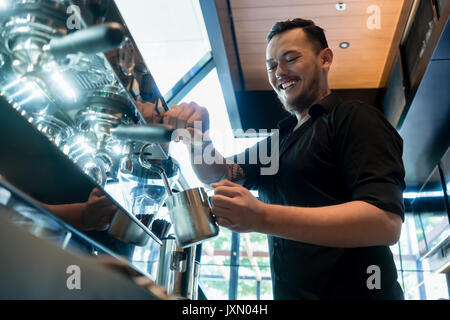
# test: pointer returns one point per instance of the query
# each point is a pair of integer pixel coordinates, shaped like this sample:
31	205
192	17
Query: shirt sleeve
254	159
369	152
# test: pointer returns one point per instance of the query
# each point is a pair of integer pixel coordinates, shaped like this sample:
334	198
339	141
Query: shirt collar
324	105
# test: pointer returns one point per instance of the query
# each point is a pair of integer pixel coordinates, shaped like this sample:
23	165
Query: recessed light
344	45
340	6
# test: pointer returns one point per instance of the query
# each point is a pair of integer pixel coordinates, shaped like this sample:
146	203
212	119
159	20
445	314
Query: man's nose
280	71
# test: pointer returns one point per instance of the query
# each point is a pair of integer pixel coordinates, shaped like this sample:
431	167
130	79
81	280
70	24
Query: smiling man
335	205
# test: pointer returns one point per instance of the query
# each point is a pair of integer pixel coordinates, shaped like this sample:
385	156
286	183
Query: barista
335	205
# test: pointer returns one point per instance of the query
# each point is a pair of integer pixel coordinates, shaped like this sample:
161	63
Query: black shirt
345	151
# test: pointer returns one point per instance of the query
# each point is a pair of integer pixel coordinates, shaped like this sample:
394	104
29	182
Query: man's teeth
288	84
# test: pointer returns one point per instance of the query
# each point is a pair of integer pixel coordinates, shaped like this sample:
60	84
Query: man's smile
287	84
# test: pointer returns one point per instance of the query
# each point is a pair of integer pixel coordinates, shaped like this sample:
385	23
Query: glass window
251	289
254	267
170	35
214	284
208	93
215	266
414	274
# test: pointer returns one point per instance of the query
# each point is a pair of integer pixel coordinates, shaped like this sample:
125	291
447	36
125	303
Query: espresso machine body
70	73
70	76
72	70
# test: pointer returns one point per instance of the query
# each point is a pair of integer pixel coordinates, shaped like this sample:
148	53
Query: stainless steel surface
183	266
196	277
165	275
155	132
155	168
145	186
55	75
101	38
127	230
177	270
190	213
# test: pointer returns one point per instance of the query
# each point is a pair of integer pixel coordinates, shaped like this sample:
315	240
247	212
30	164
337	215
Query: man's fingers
226	183
156	118
224	222
103	202
147	109
174	121
96	192
106	219
225	191
198	115
186	113
220	210
170	117
221	201
140	106
193	104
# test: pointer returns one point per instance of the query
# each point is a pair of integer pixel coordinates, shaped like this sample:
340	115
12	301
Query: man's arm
215	172
184	116
369	153
94	214
347	225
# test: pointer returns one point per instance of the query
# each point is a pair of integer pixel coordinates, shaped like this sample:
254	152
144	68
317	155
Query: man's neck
303	115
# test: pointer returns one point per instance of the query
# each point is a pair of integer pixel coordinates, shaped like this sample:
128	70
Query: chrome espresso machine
70	76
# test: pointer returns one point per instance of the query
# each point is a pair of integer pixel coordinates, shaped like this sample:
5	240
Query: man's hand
98	211
184	116
236	208
149	112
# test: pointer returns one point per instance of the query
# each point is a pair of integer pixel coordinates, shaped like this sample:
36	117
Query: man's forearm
352	224
209	173
216	171
71	213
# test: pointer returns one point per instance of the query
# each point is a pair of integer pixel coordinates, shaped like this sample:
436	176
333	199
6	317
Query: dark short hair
314	33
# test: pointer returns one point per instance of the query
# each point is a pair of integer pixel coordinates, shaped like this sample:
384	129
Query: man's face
294	68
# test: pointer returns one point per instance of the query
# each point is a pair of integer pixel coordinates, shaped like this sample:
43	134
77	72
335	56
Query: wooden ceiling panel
344	34
309	9
276	3
360	66
328	23
355	46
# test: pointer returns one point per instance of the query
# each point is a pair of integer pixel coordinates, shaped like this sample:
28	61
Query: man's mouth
287	84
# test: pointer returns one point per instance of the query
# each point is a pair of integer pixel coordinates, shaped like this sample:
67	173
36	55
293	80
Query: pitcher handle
205	200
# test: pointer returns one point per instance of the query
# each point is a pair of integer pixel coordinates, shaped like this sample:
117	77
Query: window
415	276
170	35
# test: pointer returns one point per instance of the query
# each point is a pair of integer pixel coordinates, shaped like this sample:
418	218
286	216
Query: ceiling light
344	45
340	6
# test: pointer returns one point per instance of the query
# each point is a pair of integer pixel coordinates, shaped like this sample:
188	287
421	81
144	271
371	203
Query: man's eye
292	59
271	68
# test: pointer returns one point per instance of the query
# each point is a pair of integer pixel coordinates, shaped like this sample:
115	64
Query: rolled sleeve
251	170
370	157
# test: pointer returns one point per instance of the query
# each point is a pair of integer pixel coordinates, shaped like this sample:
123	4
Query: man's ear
326	58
